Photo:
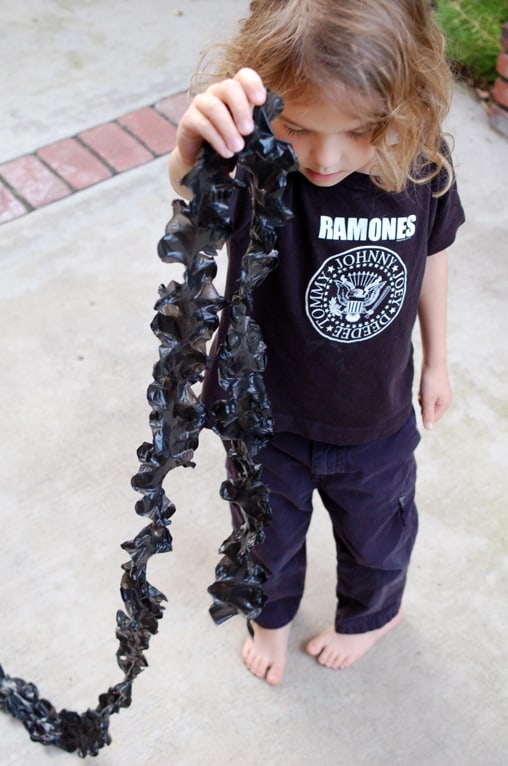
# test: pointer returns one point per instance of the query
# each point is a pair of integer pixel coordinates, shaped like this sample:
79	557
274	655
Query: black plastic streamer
186	318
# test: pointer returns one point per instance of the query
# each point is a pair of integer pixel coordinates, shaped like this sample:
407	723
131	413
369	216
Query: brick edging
67	166
499	108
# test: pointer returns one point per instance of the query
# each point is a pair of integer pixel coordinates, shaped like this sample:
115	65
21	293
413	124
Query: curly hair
388	52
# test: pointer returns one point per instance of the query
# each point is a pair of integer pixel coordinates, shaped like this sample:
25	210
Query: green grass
473	33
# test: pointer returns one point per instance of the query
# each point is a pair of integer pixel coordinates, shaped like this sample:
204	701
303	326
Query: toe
274	675
247	651
314	647
326	657
258	667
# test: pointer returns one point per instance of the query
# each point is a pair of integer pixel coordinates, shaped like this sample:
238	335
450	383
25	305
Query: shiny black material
185	321
243	419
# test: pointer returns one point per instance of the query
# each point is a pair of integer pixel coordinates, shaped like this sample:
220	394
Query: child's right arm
221	115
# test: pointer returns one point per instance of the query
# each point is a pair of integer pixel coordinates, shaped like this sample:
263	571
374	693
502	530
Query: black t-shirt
338	312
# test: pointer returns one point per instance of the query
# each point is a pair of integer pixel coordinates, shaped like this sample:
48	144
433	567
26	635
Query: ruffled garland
186	318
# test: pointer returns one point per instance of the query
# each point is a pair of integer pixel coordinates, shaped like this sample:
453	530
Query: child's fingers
200	124
227	110
432	410
434	396
196	127
428	418
253	86
239	94
222	116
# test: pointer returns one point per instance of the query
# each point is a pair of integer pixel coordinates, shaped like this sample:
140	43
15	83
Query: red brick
33	181
504	36
10	207
499	118
120	150
152	129
502	65
174	106
500	92
75	163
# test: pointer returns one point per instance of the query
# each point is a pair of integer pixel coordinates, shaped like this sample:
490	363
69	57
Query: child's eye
294	131
359	133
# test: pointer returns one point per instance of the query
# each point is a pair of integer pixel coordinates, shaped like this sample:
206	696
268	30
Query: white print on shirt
373	229
355	295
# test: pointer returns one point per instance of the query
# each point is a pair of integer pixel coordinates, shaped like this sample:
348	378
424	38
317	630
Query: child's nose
328	152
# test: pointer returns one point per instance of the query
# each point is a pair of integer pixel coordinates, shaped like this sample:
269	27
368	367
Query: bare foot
340	650
265	653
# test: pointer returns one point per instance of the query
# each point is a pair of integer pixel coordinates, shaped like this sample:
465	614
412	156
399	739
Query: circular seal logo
355	295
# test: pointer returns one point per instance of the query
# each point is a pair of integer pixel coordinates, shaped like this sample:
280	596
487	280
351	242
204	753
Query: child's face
331	139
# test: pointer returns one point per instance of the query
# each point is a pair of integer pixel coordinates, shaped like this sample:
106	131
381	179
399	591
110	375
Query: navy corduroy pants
368	491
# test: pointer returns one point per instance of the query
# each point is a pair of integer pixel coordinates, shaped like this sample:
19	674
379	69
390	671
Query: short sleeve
447	216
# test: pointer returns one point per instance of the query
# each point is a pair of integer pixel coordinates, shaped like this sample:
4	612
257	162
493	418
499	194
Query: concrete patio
78	280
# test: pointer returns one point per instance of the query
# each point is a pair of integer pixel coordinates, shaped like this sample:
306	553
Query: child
365	86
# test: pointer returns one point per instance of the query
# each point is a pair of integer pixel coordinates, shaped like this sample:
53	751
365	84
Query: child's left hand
435	394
